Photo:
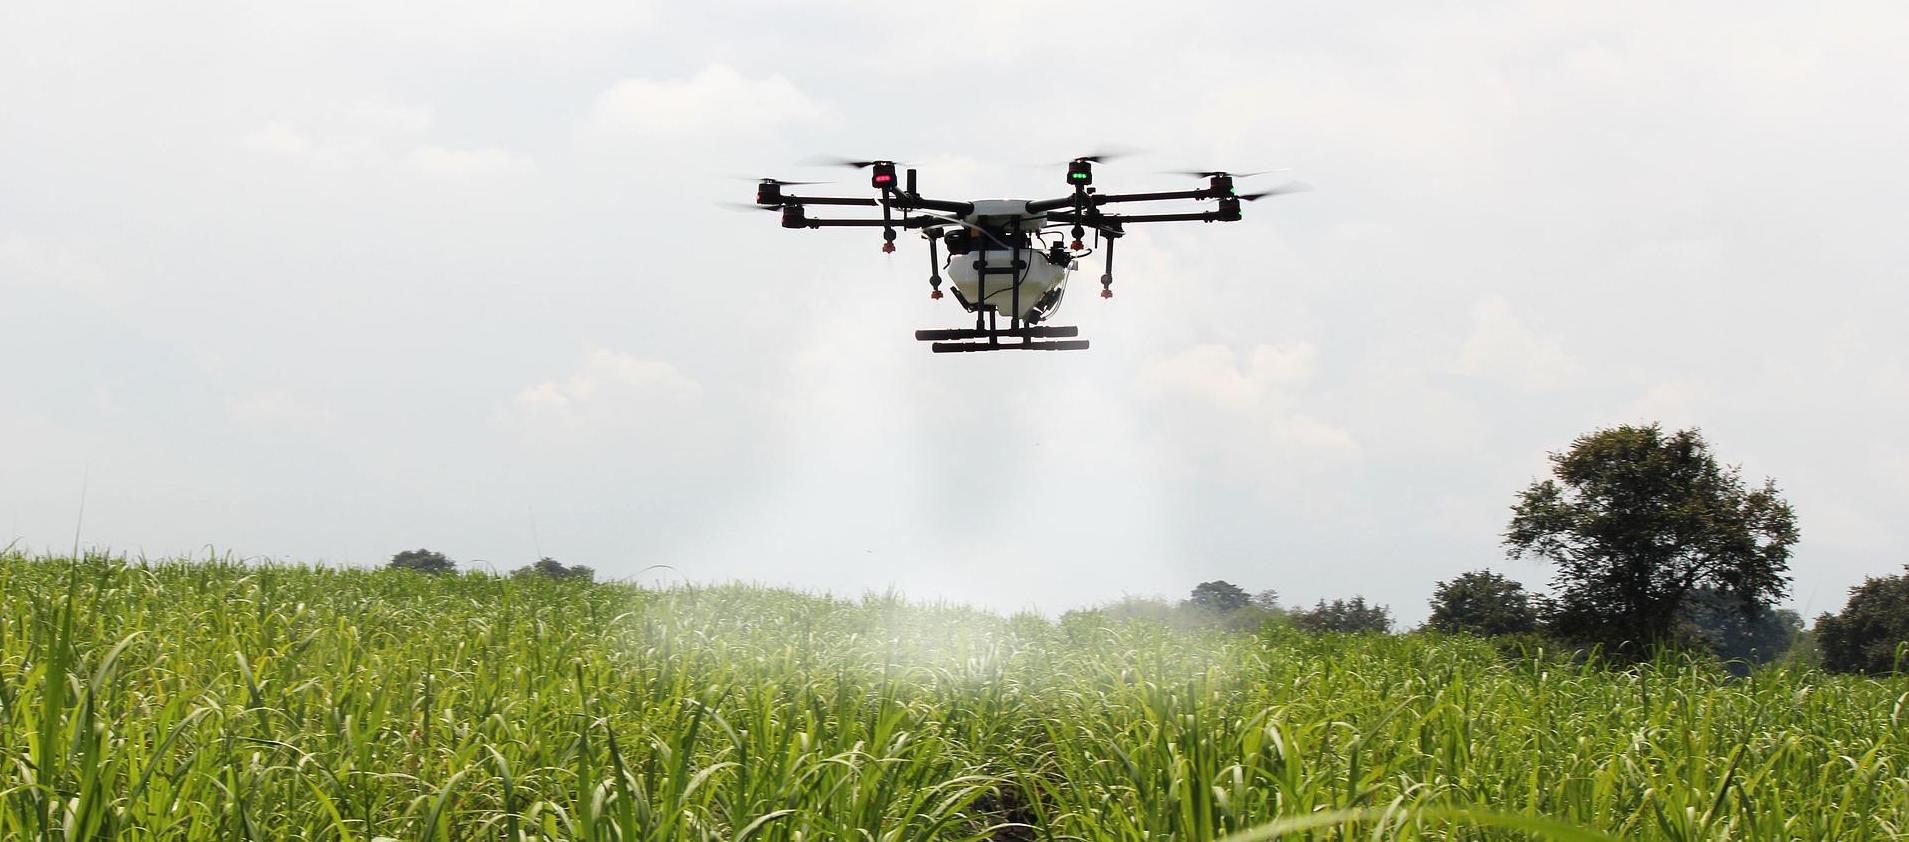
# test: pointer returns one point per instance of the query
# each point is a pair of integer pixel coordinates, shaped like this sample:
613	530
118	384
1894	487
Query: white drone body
1041	283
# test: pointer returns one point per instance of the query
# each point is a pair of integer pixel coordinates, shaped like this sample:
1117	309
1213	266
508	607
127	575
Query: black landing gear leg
934	263
1107	278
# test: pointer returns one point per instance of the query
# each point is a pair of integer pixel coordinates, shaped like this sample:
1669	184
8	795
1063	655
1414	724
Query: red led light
884	178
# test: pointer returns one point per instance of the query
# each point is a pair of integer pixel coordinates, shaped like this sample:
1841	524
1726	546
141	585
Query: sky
323	282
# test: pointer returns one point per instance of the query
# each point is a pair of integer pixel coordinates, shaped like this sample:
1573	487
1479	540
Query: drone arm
1098	199
908	203
830	200
1110	198
1042	205
904	222
1228	211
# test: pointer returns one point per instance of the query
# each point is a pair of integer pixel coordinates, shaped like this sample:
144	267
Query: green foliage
1219	595
423	561
1184	616
1482	602
553	569
1348	616
1720	624
219	701
1871	634
1635	520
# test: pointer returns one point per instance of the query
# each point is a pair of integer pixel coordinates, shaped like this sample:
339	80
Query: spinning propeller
1223	180
833	161
880	177
1100	156
1288	187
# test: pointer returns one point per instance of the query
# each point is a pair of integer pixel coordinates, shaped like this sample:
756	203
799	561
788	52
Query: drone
1000	261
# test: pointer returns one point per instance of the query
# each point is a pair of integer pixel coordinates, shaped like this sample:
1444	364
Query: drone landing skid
991	339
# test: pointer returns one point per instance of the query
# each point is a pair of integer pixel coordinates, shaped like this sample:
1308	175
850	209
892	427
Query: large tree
1870	634
423	561
1482	602
1635	520
1219	595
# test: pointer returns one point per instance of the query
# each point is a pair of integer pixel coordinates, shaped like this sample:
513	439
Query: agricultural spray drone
999	260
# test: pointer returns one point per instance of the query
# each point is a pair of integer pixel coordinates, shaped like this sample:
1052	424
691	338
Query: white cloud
1315	435
610	390
1218	401
279	138
276	409
384	118
1502	347
716	100
35	262
378	134
30	261
284	141
486	28
465	164
1677	404
1226	378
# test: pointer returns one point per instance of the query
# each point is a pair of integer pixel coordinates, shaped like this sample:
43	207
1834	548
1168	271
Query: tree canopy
1350	616
1219	595
1716	622
1482	602
1870	633
1635	520
423	561
555	569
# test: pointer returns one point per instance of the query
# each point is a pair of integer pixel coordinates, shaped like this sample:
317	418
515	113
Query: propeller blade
832	161
775	181
1288	187
738	206
1101	155
1212	173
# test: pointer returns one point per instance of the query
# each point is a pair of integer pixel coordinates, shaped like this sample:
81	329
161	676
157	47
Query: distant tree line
1655	544
1222	604
436	563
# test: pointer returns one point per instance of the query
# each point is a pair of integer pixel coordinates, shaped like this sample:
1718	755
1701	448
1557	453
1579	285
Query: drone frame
904	208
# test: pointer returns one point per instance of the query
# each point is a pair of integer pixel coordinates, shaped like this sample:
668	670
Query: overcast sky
321	282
